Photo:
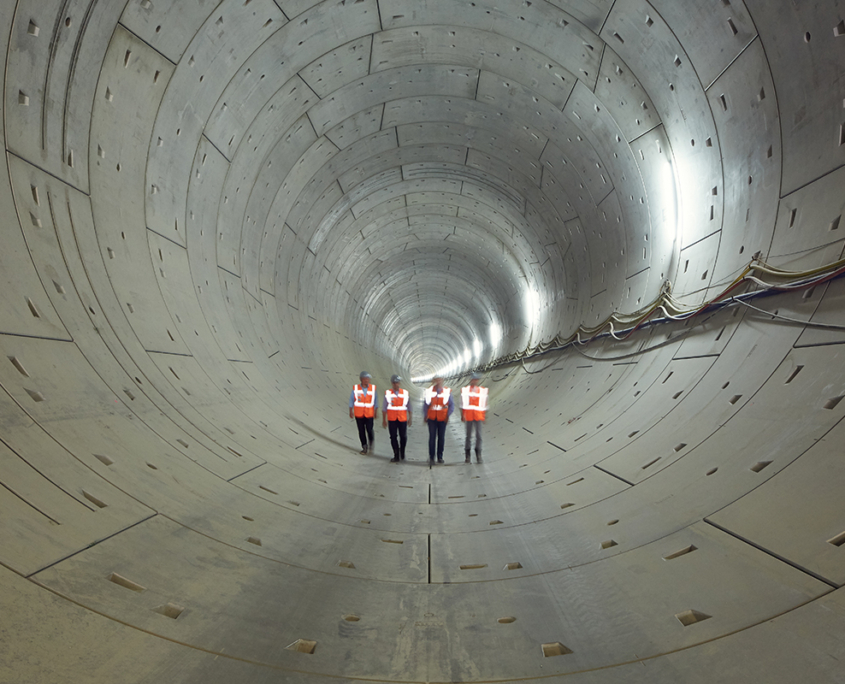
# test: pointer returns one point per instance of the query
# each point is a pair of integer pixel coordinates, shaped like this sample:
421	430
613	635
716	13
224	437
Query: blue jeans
436	432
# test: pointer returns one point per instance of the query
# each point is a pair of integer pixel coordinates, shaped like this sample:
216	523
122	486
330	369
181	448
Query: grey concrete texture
216	213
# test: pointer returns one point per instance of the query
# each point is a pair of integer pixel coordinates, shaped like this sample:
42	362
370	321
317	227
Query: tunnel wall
182	495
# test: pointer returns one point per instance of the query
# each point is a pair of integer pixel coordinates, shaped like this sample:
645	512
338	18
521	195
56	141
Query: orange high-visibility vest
438	403
474	402
365	401
396	405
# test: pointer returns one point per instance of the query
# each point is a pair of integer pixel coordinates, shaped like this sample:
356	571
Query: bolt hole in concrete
838	540
121	581
506	620
690	617
351	618
682	552
555	649
303	646
170	610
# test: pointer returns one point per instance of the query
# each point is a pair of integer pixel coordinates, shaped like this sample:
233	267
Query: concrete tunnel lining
216	214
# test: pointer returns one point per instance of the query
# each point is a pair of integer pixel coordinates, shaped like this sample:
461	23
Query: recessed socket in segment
18	366
303	646
794	373
683	552
838	540
690	617
93	499
831	403
555	649
170	610
121	581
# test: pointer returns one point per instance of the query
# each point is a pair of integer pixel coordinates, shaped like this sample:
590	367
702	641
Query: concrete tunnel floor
215	214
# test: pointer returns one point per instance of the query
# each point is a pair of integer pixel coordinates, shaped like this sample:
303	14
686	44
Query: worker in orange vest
473	411
437	407
363	407
397	413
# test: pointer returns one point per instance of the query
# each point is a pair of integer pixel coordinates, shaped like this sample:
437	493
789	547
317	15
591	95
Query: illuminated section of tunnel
217	214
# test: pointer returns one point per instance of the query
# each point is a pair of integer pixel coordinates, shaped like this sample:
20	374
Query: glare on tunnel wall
495	335
532	309
670	200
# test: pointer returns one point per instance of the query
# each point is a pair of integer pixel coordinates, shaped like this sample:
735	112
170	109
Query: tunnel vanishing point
216	213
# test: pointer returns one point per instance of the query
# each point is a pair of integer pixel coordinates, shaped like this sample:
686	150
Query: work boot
364	450
478	455
395	458
467	459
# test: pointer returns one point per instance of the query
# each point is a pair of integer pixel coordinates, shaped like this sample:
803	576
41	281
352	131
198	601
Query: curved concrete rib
217	213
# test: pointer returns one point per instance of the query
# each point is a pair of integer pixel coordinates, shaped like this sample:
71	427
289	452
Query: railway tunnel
624	214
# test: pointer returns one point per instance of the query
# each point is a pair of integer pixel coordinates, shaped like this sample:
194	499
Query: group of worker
437	407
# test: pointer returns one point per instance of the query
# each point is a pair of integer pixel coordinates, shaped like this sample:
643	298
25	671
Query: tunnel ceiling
418	173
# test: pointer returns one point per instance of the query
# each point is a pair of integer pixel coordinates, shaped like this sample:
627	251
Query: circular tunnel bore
217	214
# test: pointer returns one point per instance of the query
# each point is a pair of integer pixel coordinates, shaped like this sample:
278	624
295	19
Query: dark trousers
398	436
473	425
436	432
365	429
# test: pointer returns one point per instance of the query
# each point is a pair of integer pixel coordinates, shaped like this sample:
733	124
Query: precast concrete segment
216	214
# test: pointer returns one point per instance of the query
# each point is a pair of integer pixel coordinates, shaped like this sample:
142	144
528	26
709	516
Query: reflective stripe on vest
438	403
474	402
365	400
396	405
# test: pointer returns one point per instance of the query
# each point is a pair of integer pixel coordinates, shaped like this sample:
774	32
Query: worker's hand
409	422
463	420
425	419
384	423
351	414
